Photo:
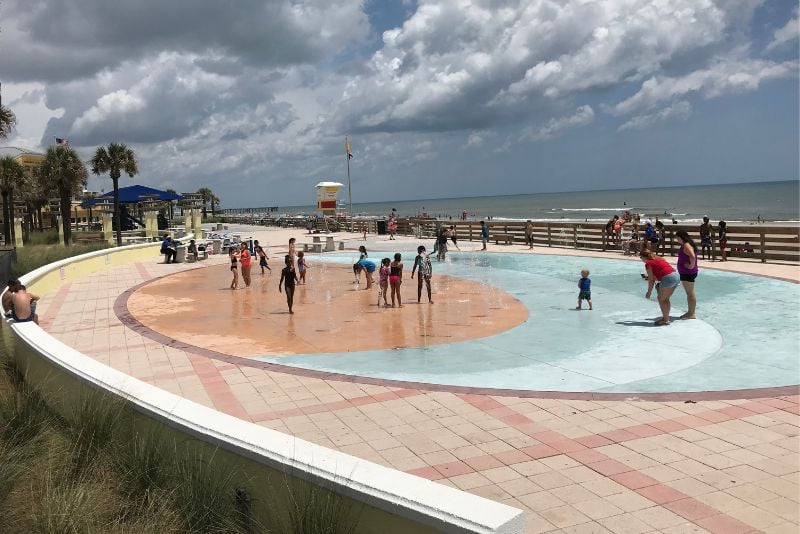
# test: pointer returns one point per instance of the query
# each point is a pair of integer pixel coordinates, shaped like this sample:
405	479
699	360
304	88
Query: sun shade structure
132	195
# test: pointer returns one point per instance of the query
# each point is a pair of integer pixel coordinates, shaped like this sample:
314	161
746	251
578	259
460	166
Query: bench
312	247
507	238
87	237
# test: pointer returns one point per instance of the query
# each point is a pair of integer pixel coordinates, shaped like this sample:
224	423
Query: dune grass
87	469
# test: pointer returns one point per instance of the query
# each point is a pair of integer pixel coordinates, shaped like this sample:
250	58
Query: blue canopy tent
131	195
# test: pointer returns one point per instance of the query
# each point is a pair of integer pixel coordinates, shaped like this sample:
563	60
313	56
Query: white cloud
723	77
474	139
677	112
788	33
583	115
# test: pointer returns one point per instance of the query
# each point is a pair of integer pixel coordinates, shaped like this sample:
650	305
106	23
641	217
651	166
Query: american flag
62	142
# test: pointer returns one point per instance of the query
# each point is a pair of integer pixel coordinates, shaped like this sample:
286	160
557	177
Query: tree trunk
117	215
6	219
66	207
212	207
11	217
204	209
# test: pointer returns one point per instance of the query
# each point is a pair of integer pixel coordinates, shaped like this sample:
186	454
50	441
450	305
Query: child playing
368	267
384	281
290	277
396	278
585	285
262	259
234	267
423	263
292	249
301	267
722	239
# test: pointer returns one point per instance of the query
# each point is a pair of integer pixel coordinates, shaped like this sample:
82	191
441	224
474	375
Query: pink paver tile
609	467
660	494
566	445
668	425
618	435
736	412
714	416
691	509
724	524
594	441
633	480
452	469
643	431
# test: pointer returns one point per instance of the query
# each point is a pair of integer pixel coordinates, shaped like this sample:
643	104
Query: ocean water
773	201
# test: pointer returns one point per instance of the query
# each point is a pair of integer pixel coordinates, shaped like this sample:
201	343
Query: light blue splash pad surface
746	335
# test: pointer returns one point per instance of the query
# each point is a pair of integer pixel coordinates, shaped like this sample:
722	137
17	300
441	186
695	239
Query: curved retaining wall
390	501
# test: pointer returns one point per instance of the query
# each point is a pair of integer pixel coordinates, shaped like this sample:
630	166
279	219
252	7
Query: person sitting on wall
168	250
13	285
23	306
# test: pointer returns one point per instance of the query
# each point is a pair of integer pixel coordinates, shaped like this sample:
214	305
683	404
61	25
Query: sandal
661	322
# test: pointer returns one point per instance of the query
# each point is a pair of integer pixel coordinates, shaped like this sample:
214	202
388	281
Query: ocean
772	201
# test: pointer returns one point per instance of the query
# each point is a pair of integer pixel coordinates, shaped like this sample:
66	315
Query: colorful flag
62	142
347	148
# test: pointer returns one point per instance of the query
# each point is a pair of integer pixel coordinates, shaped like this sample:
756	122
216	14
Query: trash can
180	254
219	227
381	227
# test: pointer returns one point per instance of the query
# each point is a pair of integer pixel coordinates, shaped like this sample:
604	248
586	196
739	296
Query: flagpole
349	194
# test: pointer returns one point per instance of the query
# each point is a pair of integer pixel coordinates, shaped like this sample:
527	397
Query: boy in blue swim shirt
585	286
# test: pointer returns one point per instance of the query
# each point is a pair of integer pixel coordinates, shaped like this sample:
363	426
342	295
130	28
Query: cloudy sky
440	98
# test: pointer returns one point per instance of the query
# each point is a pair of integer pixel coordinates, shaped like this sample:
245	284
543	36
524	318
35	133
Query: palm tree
11	175
214	202
205	194
34	193
63	170
7	121
115	159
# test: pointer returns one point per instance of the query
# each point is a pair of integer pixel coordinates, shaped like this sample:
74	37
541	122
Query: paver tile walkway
723	466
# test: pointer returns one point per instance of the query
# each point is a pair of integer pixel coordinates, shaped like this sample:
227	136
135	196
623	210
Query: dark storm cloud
66	39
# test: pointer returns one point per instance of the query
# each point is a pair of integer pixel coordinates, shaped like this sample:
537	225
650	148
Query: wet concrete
332	314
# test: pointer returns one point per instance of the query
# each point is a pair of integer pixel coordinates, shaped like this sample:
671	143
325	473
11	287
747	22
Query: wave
591	209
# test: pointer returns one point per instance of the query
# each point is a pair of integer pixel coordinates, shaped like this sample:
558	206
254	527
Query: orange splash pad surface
332	314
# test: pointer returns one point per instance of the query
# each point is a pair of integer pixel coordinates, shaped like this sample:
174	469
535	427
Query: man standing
529	234
706	238
484	234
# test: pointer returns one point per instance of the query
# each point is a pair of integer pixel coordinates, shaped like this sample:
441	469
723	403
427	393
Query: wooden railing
762	242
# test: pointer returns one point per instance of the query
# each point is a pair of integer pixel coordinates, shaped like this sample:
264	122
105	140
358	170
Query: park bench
312	247
506	238
88	237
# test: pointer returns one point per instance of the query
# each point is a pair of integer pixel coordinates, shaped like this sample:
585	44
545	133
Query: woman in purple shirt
687	269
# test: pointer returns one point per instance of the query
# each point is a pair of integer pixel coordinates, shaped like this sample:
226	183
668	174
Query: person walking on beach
301	267
244	260
661	275
234	267
362	252
687	269
423	263
288	280
396	279
392	228
262	259
529	234
441	253
383	281
585	286
706	238
484	234
722	239
454	237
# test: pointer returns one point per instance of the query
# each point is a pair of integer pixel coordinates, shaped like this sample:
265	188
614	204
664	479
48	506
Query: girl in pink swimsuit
396	278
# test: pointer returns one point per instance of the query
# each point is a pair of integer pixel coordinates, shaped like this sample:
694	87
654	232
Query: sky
445	98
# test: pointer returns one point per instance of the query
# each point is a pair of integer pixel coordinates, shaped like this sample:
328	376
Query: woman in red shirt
244	261
658	270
